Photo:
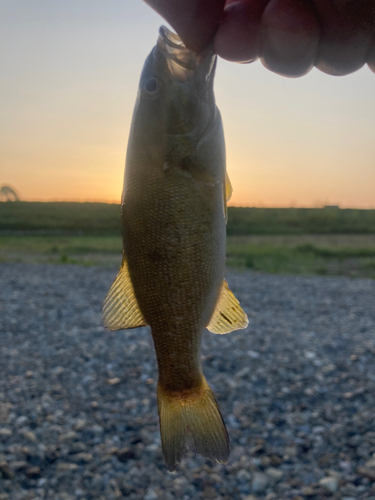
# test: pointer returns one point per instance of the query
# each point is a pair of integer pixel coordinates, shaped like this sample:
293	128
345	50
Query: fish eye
152	86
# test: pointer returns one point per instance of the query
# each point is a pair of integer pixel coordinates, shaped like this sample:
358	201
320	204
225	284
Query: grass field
103	218
266	240
342	255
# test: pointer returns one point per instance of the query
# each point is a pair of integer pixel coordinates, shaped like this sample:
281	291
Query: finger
195	21
289	37
238	37
371	57
346	34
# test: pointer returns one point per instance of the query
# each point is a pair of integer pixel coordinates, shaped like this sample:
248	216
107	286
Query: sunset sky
68	81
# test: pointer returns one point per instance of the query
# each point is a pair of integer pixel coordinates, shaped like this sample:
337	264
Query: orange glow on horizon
67	97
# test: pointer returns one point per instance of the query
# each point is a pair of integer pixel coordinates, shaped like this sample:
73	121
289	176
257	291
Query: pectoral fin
228	190
120	308
228	315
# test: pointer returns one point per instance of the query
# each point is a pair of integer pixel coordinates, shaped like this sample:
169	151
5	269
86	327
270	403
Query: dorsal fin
228	190
228	187
120	308
228	314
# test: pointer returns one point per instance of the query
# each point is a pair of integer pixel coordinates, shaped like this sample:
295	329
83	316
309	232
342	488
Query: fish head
175	100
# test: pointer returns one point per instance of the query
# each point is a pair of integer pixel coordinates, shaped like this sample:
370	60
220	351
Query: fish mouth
184	64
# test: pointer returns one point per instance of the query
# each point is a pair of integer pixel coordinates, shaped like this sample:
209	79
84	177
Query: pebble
4	433
125	454
259	483
84	457
280	384
33	472
274	475
366	472
64	466
80	424
329	484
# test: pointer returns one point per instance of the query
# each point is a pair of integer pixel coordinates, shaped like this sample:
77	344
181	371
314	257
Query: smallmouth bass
174	208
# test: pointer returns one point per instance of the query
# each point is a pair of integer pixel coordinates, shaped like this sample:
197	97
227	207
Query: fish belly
174	241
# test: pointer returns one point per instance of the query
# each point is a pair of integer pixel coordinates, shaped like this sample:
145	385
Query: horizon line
317	206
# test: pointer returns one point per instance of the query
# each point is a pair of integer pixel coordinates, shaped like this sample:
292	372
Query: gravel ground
78	415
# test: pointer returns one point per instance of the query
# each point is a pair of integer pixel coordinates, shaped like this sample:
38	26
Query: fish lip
171	39
183	62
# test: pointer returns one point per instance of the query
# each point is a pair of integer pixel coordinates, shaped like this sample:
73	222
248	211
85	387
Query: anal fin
120	308
228	314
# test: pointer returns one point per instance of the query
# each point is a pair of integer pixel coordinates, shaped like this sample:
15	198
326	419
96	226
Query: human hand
289	36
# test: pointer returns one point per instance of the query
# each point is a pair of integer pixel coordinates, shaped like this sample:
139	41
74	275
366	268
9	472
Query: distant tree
8	194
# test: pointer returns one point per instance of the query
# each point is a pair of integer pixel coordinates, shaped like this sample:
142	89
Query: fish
173	213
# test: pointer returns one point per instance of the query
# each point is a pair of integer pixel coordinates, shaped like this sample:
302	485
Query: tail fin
191	421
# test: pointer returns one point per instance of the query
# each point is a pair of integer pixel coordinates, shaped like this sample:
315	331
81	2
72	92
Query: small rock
253	354
290	451
310	355
67	466
259	483
366	472
266	461
271	496
58	370
33	472
80	424
5	472
333	473
125	454
328	368
5	432
21	420
78	447
210	493
243	476
84	457
151	494
30	435
318	429
113	381
29	374
309	491
98	429
275	459
329	484
274	474
369	463
19	465
69	436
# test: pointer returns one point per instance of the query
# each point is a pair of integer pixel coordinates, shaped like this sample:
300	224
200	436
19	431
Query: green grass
291	241
299	221
85	250
103	218
61	217
61	244
344	255
338	255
